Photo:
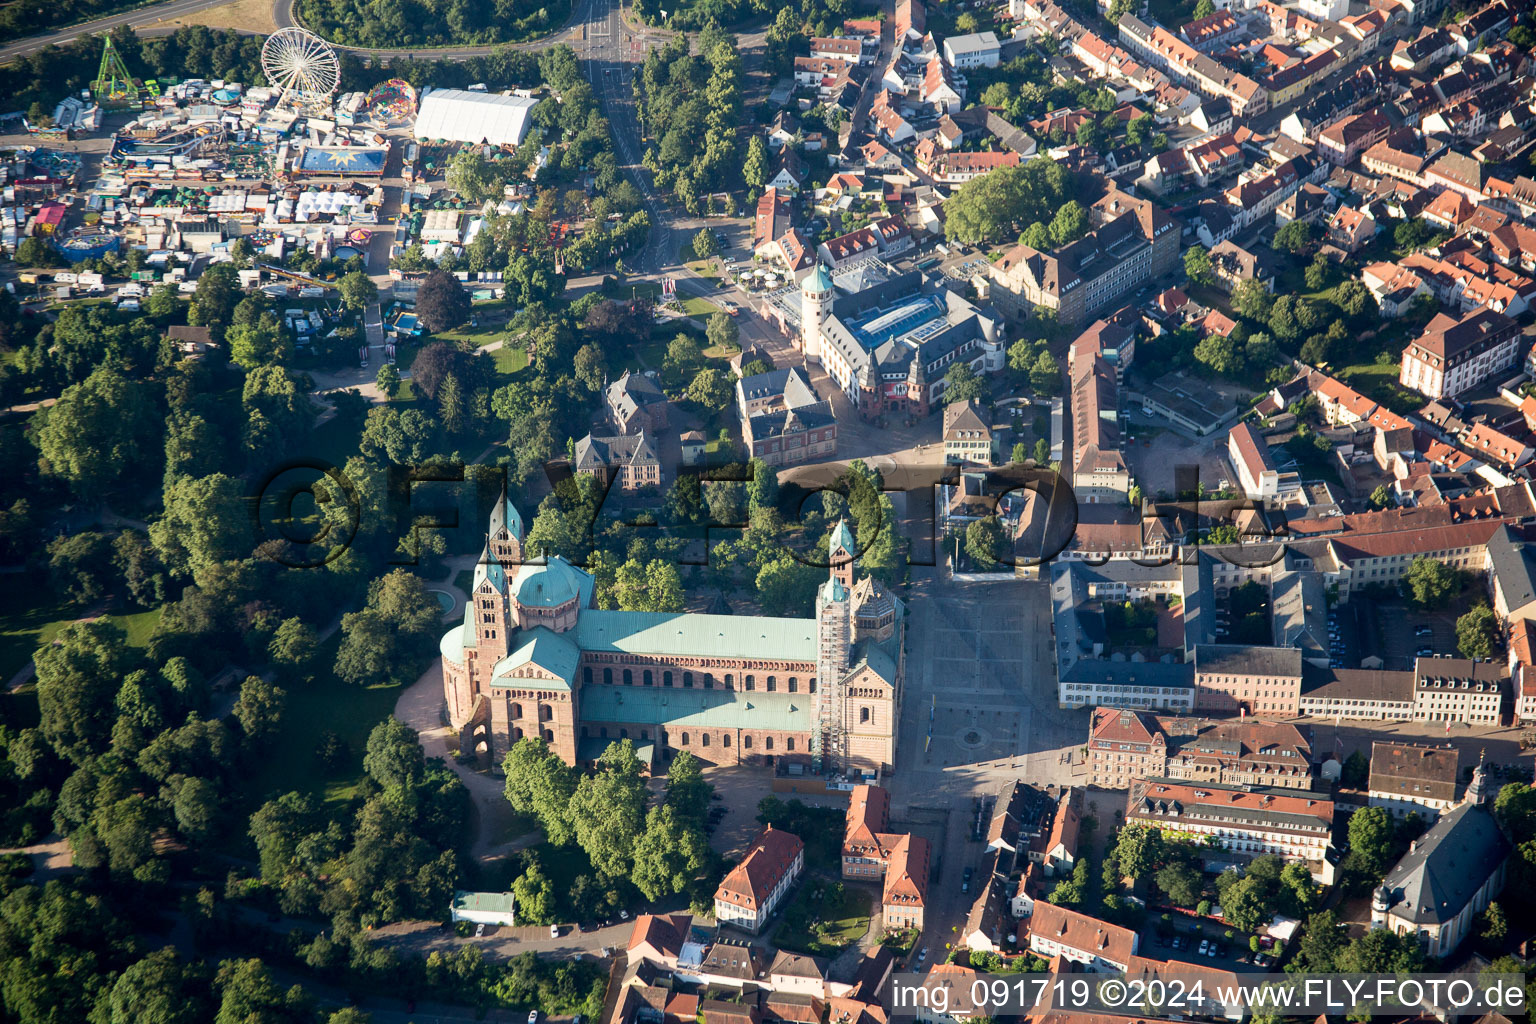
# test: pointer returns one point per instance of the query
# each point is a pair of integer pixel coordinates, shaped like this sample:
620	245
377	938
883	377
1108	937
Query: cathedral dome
548	586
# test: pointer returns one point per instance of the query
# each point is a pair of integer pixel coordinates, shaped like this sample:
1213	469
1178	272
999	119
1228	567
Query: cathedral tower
834	637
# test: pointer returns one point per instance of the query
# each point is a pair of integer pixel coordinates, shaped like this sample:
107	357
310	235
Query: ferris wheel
301	66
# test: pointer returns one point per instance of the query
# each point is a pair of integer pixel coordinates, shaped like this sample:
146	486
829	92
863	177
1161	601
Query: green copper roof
702	709
740	636
545	586
504	516
544	648
818	280
489	568
842	540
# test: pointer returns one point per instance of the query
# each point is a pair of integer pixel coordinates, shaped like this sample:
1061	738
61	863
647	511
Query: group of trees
690	108
661	850
1001	204
125	755
402	23
1030	360
395	859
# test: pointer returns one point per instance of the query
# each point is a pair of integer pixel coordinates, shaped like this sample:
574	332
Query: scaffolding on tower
114	88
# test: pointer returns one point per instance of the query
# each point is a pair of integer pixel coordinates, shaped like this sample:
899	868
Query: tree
540	784
1219	354
1315	277
963	384
77	677
1294	237
357	290
388	381
1323	939
1515	807
1180	882
755	171
263	341
205	522
1493	928
608	810
763	488
1204	8
1251	299
1070	223
1356	771
1411	234
1282	319
668	854
213	301
1197	265
162	988
450	405
704	244
710	389
1042	452
391	638
687	792
535	896
473	177
985	542
35	251
1370	839
1352	298
75	566
1020	453
1138	851
249	994
259	709
441	301
1037	236
433	364
1246	903
102	433
722	332
1381	497
1429	583
1477	633
1045	375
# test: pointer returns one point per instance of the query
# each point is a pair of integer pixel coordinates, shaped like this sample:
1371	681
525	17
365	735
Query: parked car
965	881
533	1017
1423	631
1424	652
1205	945
554	931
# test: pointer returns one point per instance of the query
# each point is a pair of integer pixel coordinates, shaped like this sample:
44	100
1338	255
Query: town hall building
533	657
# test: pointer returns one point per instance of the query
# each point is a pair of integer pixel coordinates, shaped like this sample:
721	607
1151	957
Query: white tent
456	115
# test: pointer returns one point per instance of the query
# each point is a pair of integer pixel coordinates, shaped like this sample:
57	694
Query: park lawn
510	360
848	921
30	618
693	305
722	352
705	268
335	440
326	704
1378	381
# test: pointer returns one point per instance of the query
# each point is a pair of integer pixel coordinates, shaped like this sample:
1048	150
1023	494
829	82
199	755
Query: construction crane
114	88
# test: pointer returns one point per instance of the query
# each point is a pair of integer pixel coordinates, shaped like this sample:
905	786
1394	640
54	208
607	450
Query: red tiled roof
749	883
